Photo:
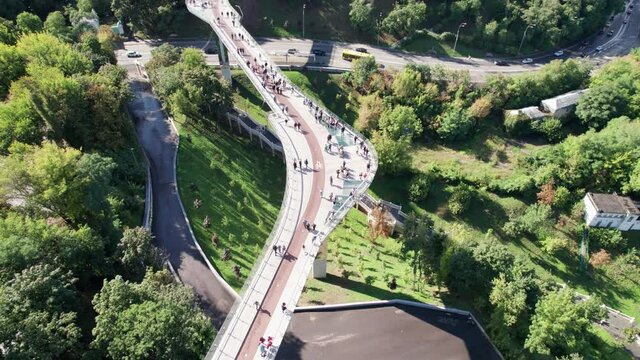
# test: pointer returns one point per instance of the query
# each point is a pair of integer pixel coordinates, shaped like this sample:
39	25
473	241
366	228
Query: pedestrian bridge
325	159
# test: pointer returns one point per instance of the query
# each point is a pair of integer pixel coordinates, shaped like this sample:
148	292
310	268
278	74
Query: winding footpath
169	224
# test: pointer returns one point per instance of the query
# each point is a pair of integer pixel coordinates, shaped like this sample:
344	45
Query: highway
625	37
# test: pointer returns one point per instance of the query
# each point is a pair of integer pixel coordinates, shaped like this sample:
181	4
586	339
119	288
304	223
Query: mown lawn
247	98
430	43
241	189
360	270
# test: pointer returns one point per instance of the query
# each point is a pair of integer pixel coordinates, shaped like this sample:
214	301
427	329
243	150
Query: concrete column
320	262
224	61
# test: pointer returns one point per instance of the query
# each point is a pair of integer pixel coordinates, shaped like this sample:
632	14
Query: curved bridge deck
322	145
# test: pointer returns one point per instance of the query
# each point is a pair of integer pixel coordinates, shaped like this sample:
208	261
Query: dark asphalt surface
169	225
384	332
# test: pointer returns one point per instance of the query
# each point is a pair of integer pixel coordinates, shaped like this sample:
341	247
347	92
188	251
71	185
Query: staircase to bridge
325	159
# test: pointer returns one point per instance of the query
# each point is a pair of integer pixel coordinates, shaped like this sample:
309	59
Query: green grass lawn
241	188
430	43
247	98
369	266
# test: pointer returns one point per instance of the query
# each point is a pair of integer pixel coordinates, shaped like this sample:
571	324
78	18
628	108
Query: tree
360	15
454	123
481	108
47	50
407	85
419	187
405	19
371	108
560	325
546	194
600	258
8	32
460	199
56	25
155	319
425	244
146	16
601	104
37	317
12	67
362	70
61	181
633	185
28	23
609	239
401	121
85	5
164	55
136	252
393	155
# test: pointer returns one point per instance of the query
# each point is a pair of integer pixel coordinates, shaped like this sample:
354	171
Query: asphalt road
625	37
169	225
382	333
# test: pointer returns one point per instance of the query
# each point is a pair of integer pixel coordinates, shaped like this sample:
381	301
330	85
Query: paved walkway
169	224
278	279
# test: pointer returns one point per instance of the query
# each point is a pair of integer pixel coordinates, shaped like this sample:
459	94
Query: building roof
531	112
562	101
613	203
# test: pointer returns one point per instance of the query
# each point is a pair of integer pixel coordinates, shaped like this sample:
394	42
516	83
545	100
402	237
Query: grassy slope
351	245
247	98
492	154
241	189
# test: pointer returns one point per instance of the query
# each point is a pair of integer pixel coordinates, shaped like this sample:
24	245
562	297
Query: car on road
625	21
133	54
210	50
599	48
585	43
611	18
500	63
527	61
608	24
628	12
318	52
610	33
292	51
558	53
362	50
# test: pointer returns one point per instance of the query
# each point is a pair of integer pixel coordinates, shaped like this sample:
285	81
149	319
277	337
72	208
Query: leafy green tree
550	127
393	155
371	108
29	23
62	181
362	70
560	325
407	85
461	197
405	18
56	25
8	32
136	252
47	50
37	317
12	66
633	185
601	104
360	15
399	122
163	56
146	16
454	124
419	187
85	5
608	239
425	244
155	319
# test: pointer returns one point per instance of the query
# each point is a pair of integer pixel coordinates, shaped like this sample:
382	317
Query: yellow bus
351	55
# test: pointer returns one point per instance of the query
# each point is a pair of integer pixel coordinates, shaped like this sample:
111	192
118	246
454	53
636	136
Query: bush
447	36
519	184
550	128
554	244
609	239
460	199
517	125
419	187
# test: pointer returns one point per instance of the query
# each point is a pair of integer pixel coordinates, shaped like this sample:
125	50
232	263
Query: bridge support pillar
224	62
320	262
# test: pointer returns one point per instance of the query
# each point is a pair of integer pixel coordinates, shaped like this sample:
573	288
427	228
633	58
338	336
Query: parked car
558	53
318	52
527	61
628	12
599	48
500	63
625	21
362	50
210	50
133	54
292	51
610	33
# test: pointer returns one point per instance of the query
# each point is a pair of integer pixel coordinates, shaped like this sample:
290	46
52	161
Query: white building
562	105
611	211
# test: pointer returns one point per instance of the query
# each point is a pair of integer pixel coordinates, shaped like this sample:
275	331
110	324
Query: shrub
517	124
447	36
550	128
460	199
609	239
600	258
554	244
419	187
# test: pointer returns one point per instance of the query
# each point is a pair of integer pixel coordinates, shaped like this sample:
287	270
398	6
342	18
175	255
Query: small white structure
562	105
531	112
611	211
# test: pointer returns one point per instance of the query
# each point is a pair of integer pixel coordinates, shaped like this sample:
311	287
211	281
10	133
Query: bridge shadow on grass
369	290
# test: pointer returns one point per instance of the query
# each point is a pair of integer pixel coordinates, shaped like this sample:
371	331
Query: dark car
611	18
292	51
362	50
585	43
500	63
600	32
318	52
628	12
610	33
210	50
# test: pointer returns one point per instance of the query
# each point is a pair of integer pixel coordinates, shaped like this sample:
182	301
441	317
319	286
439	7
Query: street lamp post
523	36
304	6
378	27
458	34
